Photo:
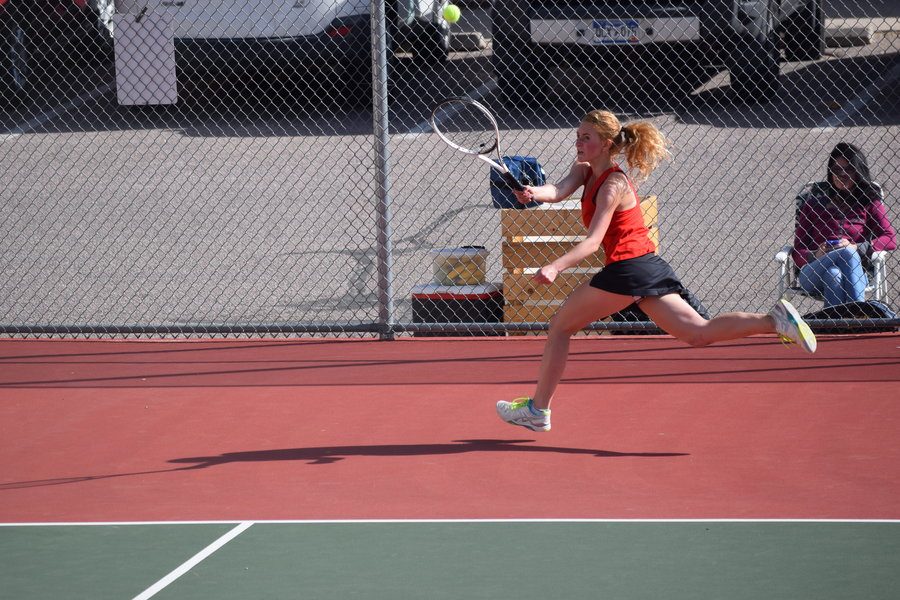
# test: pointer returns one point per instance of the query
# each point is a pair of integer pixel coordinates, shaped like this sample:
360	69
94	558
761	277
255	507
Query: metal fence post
383	200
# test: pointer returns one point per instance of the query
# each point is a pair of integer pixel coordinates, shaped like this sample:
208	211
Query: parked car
326	38
534	40
39	40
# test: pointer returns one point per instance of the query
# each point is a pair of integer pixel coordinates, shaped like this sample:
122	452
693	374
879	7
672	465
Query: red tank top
627	236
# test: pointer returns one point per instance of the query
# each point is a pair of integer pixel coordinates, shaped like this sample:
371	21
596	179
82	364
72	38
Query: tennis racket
468	126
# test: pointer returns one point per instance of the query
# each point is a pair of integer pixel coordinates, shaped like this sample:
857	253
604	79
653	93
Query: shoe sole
525	425
807	337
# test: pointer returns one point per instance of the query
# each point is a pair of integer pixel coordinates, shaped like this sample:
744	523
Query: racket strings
466	126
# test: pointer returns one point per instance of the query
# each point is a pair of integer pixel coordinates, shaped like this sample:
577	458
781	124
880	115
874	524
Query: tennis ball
452	13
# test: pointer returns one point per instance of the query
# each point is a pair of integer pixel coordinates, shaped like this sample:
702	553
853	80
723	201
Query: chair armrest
782	255
879	257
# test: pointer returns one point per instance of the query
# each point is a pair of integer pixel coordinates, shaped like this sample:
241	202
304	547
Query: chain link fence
231	168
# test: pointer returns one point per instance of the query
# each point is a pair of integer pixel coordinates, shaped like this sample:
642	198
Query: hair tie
625	136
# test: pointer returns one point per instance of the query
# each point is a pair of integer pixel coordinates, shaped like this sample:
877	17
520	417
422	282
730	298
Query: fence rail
217	168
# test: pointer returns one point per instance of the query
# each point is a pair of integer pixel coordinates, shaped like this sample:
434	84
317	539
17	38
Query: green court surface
519	560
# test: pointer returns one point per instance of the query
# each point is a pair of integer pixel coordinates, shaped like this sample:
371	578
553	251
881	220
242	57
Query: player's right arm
555	192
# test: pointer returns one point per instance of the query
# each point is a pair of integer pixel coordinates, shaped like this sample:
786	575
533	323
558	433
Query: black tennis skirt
647	275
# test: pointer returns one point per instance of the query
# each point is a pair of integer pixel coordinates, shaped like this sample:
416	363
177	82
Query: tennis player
611	212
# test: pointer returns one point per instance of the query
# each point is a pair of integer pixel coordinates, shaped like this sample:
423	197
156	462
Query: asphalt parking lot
253	201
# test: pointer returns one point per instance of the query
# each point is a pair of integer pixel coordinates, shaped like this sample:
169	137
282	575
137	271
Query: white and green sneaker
791	326
521	412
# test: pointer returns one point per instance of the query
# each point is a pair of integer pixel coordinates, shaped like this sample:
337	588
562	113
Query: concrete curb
847	36
877	24
468	41
844	33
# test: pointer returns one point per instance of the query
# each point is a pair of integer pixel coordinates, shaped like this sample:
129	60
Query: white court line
477	94
53	113
866	96
246	524
192	562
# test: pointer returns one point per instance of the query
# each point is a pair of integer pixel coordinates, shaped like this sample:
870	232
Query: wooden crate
535	237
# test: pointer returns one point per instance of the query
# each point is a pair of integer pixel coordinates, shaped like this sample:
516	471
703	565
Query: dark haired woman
839	227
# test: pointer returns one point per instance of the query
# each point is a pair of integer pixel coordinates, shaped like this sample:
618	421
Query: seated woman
839	228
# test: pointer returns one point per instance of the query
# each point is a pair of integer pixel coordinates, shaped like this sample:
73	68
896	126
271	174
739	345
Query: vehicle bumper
345	43
660	34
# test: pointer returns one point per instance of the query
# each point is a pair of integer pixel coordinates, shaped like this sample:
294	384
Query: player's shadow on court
324	455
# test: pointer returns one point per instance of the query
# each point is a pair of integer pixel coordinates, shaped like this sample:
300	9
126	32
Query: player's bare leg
585	305
678	318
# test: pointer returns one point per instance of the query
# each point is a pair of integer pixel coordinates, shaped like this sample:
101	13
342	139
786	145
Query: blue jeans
838	277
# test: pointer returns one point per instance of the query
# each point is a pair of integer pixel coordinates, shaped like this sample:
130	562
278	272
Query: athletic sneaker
791	326
521	412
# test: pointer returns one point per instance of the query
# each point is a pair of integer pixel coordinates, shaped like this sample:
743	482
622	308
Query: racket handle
512	182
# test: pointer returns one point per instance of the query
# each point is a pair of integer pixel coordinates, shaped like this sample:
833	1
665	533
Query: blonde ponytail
643	144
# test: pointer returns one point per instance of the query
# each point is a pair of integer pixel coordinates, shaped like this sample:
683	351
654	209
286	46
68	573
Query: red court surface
643	427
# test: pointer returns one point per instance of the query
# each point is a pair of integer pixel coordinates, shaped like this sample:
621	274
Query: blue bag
527	170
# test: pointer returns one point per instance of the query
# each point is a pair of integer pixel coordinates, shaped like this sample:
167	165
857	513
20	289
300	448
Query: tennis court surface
328	468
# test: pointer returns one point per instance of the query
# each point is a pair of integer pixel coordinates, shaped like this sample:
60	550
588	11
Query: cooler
433	303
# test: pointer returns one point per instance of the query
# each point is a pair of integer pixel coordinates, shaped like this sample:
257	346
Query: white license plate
618	31
606	32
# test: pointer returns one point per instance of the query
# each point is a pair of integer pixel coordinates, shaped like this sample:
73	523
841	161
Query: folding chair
788	284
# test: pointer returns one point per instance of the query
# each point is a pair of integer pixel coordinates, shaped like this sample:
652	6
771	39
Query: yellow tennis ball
452	13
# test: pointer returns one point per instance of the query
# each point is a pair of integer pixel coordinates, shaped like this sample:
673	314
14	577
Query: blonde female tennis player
633	272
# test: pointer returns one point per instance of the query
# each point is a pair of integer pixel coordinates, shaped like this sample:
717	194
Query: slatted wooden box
535	237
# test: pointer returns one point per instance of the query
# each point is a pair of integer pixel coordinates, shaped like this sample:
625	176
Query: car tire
753	65
352	88
432	43
520	77
804	37
15	79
